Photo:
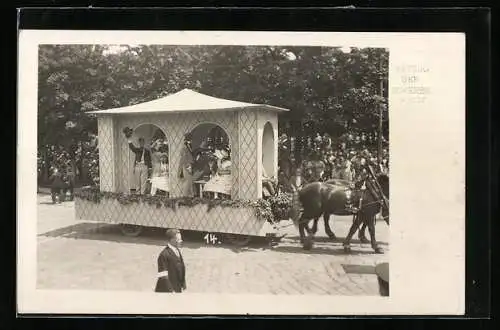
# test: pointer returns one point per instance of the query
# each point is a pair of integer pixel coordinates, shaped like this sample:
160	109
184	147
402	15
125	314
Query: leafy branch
276	208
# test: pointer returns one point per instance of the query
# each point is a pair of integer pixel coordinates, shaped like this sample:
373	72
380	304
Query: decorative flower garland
281	205
276	208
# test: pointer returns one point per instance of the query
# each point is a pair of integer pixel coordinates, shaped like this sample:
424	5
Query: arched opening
268	150
268	169
150	160
212	164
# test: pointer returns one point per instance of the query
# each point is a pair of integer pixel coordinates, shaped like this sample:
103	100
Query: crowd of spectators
322	158
78	164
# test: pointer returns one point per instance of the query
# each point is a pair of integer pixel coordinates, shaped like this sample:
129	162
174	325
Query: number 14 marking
211	239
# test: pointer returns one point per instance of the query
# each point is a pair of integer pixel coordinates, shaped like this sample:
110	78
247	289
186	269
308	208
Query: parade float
234	206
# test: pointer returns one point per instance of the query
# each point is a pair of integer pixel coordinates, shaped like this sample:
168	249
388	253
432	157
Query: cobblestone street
92	256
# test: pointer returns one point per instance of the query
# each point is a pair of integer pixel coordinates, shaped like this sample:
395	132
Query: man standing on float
142	165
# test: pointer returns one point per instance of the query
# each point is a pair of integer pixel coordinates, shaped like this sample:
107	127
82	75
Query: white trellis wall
244	128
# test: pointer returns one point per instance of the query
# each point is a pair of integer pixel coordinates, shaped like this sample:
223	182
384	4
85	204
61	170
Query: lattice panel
218	220
235	152
106	153
175	127
248	155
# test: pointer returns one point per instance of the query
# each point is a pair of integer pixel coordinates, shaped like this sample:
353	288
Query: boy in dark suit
69	179
171	268
56	186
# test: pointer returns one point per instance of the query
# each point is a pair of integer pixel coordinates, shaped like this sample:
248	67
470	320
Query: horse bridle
382	200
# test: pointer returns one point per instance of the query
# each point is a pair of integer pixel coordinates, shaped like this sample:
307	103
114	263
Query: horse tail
296	205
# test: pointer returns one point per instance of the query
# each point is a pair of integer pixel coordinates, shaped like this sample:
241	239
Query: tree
325	89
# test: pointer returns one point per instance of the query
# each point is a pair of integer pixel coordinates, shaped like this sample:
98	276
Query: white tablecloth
219	184
160	183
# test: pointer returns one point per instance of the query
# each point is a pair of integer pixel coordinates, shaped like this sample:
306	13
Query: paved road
87	255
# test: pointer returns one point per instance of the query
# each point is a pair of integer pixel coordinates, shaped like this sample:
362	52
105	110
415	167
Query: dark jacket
201	165
176	279
56	181
293	181
138	154
69	177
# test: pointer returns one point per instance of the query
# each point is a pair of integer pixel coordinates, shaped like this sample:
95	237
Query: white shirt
176	250
226	164
163	169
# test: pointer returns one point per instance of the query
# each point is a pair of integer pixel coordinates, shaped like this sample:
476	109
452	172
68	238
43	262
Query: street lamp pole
380	116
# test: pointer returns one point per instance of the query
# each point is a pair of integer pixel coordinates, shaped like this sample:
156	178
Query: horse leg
307	242
302	227
371	229
361	234
328	230
314	229
309	231
355	225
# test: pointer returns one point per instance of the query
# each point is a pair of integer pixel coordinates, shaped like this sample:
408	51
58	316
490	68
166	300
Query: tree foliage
325	89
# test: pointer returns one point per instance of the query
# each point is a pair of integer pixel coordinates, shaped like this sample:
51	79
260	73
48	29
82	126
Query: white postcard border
427	162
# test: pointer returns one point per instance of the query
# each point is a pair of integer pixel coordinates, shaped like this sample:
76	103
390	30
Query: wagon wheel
130	230
238	240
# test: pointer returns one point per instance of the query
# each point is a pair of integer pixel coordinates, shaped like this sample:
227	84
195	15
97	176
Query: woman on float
159	158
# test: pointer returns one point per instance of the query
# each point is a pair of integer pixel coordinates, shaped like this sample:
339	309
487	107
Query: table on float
159	183
218	184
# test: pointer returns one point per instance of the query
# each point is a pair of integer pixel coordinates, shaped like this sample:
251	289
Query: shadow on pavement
149	236
359	269
195	240
325	239
330	250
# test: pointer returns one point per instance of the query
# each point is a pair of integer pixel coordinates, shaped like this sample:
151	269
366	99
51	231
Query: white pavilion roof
186	100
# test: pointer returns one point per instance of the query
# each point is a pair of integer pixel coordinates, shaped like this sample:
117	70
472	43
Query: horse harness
376	191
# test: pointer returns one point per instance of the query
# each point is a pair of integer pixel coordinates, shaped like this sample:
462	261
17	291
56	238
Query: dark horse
346	185
323	198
